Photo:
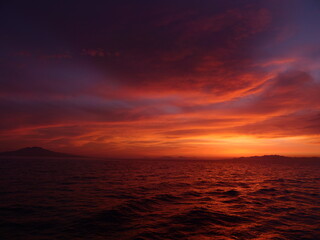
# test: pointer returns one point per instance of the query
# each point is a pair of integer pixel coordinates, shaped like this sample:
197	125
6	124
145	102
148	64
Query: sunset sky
155	78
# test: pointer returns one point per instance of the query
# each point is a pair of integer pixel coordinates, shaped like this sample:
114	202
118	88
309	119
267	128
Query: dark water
90	199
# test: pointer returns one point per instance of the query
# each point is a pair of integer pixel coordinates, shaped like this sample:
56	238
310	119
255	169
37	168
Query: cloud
94	52
302	123
289	92
57	56
173	77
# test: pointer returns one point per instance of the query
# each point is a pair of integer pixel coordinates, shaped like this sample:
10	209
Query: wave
201	217
223	193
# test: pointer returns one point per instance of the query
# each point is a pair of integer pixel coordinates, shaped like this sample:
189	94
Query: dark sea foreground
94	199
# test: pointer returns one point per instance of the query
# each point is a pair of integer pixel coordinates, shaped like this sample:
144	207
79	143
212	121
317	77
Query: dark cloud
200	45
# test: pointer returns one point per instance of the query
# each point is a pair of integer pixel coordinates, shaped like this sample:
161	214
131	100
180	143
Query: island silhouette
36	152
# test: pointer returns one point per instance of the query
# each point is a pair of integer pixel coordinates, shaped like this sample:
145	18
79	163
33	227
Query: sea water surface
158	199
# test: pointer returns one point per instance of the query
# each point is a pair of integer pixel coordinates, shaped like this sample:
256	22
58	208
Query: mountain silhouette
35	152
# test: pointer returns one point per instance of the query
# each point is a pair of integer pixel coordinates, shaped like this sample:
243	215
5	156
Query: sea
159	199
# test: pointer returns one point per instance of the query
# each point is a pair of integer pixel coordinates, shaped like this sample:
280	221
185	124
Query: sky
127	79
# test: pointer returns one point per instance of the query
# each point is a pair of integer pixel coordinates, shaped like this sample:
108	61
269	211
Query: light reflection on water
88	199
